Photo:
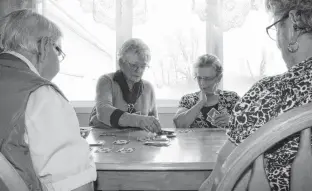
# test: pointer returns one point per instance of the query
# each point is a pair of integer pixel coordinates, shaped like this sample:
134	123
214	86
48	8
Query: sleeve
153	111
61	157
232	100
185	102
104	100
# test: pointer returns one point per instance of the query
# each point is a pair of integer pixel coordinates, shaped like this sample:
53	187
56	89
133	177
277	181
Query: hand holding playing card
221	120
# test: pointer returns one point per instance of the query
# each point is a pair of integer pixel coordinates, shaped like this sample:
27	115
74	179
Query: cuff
114	118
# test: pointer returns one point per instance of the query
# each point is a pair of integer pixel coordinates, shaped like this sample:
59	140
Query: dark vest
17	82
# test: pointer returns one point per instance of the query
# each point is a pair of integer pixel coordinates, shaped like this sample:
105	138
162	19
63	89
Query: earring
293	47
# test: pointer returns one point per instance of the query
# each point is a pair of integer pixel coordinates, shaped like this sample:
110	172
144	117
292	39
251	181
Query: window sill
164	106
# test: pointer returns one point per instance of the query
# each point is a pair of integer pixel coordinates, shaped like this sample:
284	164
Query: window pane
249	53
176	36
89	43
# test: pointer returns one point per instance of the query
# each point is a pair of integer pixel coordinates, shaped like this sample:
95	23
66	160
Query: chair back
9	176
250	152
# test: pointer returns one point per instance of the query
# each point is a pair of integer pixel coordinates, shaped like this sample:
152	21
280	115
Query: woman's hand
149	123
202	98
221	120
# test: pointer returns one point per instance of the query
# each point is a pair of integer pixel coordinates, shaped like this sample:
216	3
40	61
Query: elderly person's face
207	79
49	58
133	66
285	33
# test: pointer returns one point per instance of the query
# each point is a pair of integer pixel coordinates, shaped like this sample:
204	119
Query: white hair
23	29
135	46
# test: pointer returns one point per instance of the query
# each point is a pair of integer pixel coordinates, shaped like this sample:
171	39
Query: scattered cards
125	150
121	142
103	150
186	130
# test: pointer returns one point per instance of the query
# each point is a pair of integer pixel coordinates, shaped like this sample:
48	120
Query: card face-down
125	150
103	150
121	142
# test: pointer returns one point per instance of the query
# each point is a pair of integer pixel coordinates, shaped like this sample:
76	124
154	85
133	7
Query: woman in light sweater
123	98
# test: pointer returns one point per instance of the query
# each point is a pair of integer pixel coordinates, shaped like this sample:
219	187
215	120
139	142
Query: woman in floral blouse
272	96
196	110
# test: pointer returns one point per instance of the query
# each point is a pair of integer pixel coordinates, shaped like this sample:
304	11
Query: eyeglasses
206	79
271	30
138	66
60	54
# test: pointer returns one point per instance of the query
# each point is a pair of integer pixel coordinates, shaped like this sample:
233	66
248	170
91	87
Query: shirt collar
23	58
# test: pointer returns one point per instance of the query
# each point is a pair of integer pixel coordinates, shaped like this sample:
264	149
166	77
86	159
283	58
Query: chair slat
10	177
301	171
258	179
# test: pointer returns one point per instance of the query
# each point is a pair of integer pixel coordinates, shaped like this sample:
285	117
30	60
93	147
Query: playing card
143	139
121	142
125	150
108	134
161	138
99	143
186	130
103	150
157	143
209	119
213	113
171	135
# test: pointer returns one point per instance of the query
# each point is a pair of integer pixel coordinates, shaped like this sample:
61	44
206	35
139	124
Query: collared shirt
61	157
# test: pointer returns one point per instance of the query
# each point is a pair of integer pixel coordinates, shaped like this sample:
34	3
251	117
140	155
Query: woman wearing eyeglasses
123	98
209	107
272	96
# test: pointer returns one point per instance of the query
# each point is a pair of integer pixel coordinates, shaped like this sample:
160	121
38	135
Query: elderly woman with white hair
39	129
123	98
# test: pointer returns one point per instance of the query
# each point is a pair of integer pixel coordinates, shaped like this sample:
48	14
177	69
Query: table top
195	150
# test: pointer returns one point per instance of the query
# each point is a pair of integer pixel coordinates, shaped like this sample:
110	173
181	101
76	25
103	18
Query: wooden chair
9	177
234	173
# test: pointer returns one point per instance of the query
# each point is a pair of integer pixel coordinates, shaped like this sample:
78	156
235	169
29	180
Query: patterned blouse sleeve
234	98
185	102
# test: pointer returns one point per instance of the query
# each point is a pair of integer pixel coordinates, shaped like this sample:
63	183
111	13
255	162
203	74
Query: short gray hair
135	46
24	28
282	7
209	60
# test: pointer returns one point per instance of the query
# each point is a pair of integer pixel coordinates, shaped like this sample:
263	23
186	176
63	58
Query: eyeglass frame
135	66
206	79
280	20
60	52
58	49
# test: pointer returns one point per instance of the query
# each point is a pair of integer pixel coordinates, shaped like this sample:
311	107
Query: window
177	31
89	44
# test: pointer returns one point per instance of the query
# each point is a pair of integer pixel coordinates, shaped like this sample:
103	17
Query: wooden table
183	165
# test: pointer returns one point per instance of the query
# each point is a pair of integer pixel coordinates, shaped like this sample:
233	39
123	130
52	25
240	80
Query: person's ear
43	49
294	16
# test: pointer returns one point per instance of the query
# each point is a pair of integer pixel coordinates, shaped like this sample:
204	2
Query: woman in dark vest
123	98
